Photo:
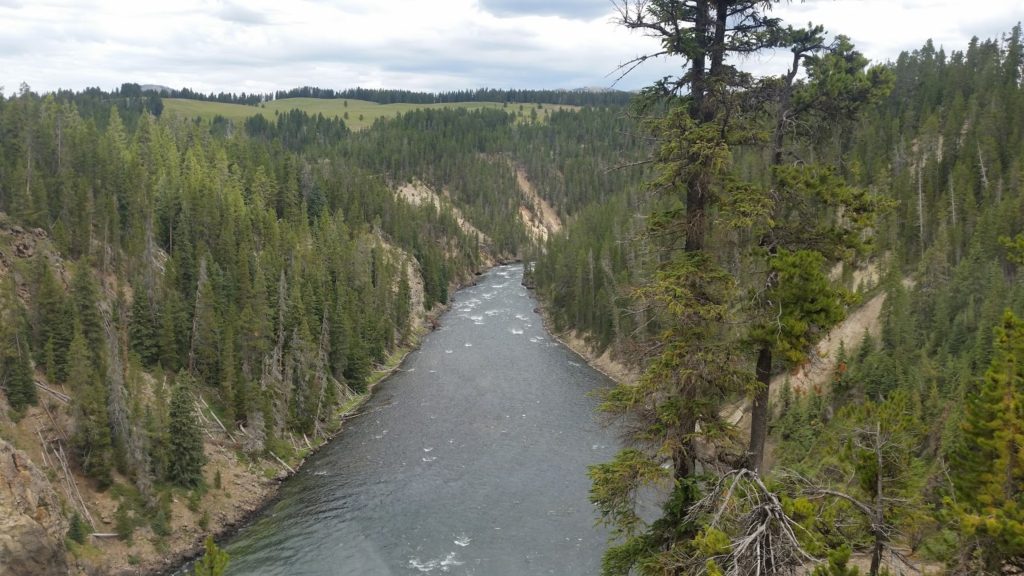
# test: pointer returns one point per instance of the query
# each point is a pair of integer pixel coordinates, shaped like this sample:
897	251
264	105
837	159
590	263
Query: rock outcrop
31	525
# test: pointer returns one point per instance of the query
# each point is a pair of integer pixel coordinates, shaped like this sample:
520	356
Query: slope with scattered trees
714	280
189	308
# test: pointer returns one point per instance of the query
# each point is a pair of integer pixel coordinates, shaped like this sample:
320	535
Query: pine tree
78	530
92	440
837	564
228	379
144	331
54	322
80	366
214	562
16	378
402	305
19	385
172	315
808	217
86	296
205	333
698	363
185	457
50	361
989	466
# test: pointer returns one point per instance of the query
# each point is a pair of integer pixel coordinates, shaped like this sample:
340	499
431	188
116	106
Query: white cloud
883	28
263	45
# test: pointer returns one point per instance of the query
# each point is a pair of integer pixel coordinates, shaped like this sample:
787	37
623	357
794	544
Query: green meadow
358	114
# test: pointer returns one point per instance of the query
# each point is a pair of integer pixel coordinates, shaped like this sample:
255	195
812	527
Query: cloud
881	29
572	9
265	45
239	14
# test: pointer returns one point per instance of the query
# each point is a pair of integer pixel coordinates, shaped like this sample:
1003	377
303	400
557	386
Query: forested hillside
807	183
947	146
189	306
151	264
571	159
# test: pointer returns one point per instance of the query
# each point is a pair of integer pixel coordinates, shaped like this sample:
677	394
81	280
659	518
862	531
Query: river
471	460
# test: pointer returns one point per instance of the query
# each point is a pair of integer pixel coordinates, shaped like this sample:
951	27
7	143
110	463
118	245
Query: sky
431	45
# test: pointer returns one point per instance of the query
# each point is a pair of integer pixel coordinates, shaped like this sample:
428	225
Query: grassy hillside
361	113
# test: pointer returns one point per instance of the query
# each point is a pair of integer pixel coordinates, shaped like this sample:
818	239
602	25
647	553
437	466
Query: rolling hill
360	113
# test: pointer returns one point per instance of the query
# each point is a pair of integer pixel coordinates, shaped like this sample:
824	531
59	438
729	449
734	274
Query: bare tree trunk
683	461
920	205
149	264
195	317
60	139
984	173
613	292
876	558
28	175
117	408
278	368
322	379
126	435
878	522
874	509
759	414
952	204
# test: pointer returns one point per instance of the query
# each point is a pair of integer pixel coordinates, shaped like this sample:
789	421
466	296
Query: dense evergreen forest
267	278
162	279
770	205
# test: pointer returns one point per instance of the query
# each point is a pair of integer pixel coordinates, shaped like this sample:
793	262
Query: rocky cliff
31	526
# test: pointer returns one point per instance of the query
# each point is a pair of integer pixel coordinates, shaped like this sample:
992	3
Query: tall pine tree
988	471
185	458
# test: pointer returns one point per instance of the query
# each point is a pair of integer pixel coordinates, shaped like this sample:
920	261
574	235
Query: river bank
267	492
602	361
260	490
470	459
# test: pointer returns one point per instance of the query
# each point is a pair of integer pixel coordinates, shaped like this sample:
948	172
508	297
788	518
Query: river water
471	460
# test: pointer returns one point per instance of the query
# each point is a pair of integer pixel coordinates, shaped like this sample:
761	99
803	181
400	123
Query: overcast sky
264	45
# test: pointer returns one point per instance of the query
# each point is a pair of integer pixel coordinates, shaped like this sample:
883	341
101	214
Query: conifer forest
809	286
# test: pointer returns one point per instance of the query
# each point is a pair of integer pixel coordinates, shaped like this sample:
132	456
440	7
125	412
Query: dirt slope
418	193
817	371
537	214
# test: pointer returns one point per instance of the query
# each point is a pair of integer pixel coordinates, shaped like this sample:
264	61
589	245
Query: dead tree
880	452
127	434
324	380
763	539
195	316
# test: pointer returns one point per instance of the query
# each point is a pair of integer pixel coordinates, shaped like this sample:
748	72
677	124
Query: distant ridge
571	97
586	96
